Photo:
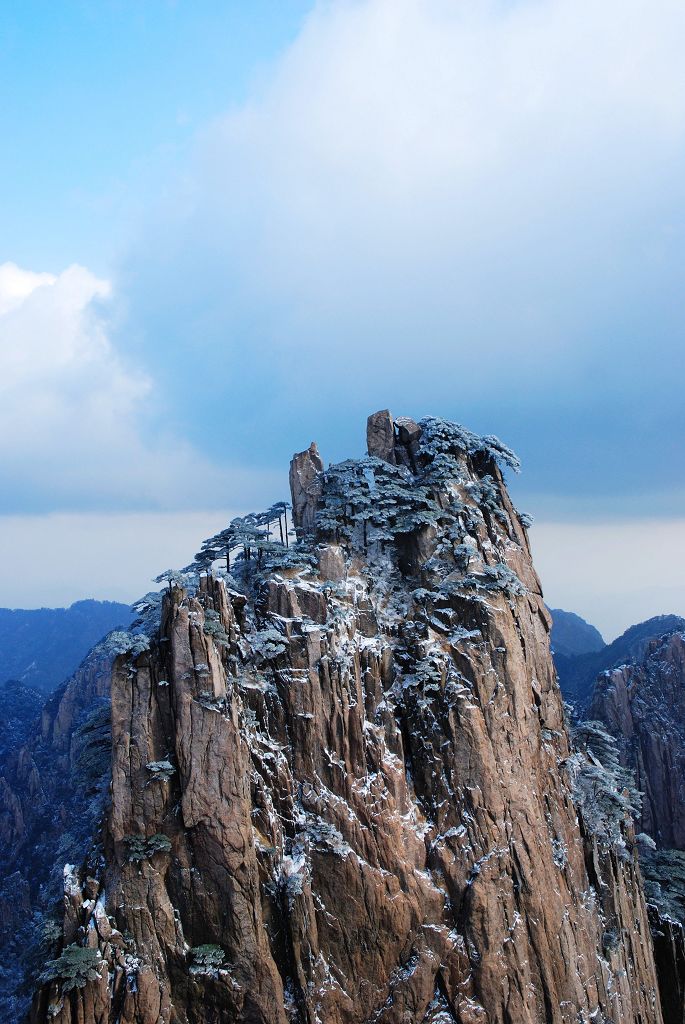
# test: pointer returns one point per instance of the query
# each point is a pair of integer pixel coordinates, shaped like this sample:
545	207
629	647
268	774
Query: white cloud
467	209
76	428
444	206
410	150
17	284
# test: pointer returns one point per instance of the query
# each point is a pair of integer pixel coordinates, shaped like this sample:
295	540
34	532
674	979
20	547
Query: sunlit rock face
342	788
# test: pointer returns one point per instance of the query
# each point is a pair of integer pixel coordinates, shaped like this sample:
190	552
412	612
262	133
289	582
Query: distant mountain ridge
577	672
41	647
572	635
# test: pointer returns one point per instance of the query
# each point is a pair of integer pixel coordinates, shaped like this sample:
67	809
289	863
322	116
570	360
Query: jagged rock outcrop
380	436
342	788
305	487
395	441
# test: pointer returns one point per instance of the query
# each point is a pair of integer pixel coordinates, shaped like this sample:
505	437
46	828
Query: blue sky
99	97
229	228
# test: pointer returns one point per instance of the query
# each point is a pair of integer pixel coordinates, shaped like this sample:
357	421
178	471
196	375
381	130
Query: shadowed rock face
54	763
643	705
365	814
578	672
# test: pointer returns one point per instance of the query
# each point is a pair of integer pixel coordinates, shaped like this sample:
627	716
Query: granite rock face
380	436
395	441
305	487
342	788
643	706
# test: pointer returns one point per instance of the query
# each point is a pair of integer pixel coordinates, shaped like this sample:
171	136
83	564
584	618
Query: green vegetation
140	848
206	959
76	966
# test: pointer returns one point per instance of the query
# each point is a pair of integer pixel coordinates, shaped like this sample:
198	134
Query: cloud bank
75	420
466	209
469	209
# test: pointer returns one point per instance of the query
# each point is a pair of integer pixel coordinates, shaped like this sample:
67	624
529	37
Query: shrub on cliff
76	966
442	438
603	790
162	770
206	959
140	848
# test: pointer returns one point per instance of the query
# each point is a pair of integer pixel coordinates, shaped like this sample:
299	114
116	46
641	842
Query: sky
228	229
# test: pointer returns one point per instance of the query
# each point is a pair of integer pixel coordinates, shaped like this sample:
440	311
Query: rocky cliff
578	672
342	789
643	705
55	761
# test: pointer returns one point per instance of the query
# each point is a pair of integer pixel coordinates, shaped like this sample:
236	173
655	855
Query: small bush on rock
140	848
74	968
206	959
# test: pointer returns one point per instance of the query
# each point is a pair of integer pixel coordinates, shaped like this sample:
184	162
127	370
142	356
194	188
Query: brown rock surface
380	436
305	487
367	815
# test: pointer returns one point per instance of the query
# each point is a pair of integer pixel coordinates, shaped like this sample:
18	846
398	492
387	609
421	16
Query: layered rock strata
342	784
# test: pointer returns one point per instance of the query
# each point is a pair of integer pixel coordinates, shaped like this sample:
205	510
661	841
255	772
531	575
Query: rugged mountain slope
577	673
342	789
572	635
41	647
21	706
643	706
54	776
